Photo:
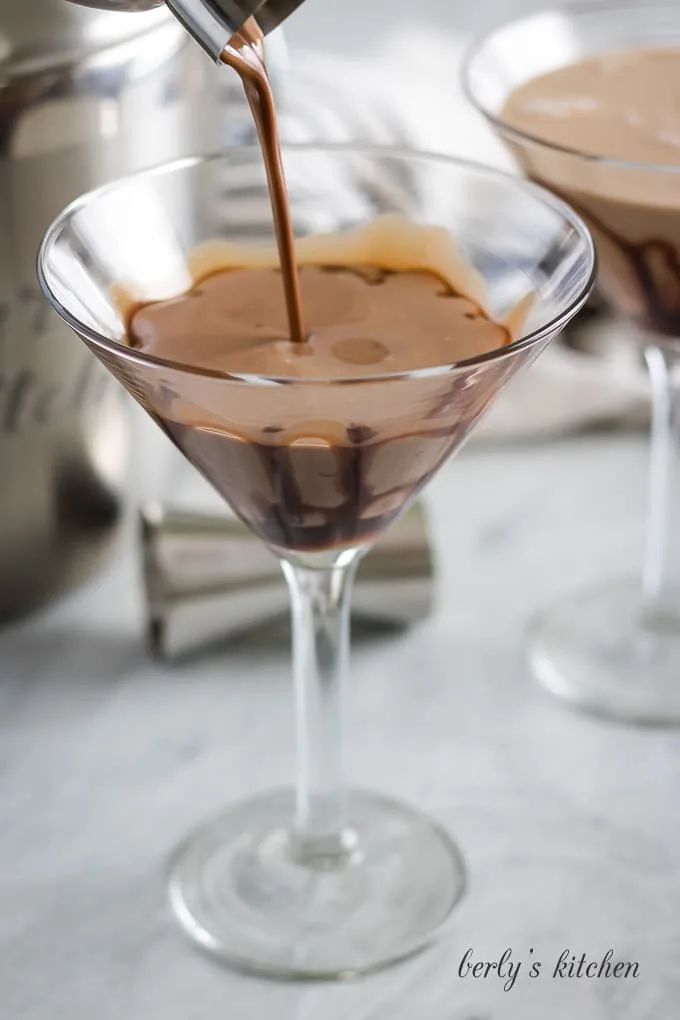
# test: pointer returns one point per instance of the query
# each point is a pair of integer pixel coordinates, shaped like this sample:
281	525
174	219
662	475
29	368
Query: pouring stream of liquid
245	54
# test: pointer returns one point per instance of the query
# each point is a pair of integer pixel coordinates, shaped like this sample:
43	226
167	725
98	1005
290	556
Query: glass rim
572	14
120	351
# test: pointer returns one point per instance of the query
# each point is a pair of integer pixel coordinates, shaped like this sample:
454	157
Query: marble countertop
570	826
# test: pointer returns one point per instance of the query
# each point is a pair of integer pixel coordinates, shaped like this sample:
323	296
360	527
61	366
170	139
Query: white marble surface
570	826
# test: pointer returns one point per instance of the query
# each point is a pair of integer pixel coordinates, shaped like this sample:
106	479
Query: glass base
238	892
602	653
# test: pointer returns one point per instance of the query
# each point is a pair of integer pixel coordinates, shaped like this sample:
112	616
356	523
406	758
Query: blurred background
358	25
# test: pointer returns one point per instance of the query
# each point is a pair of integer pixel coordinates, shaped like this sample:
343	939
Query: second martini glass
321	881
614	649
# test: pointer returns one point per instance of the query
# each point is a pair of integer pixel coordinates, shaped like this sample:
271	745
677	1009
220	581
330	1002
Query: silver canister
211	23
207	579
85	96
70	80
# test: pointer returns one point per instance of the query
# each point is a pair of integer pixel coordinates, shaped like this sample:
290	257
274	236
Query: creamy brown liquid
392	296
245	54
617	106
362	320
314	466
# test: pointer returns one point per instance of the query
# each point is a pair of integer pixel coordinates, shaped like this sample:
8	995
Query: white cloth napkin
409	93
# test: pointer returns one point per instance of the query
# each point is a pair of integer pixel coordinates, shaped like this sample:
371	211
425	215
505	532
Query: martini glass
614	649
322	880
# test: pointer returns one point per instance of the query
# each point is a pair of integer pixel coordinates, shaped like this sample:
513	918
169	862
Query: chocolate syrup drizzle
358	510
654	264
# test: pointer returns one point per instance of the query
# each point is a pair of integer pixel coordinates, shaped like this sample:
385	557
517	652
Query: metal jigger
208	579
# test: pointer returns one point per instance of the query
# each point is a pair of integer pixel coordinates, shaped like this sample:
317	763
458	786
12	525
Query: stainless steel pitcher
84	96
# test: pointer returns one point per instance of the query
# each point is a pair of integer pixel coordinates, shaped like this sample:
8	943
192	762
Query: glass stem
661	576
320	600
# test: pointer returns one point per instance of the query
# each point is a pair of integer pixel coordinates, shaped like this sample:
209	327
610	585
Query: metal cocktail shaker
210	22
84	97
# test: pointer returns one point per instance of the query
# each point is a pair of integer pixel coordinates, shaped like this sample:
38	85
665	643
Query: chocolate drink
614	107
338	464
245	54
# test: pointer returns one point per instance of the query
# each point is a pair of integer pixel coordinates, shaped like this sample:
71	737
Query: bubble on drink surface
360	351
